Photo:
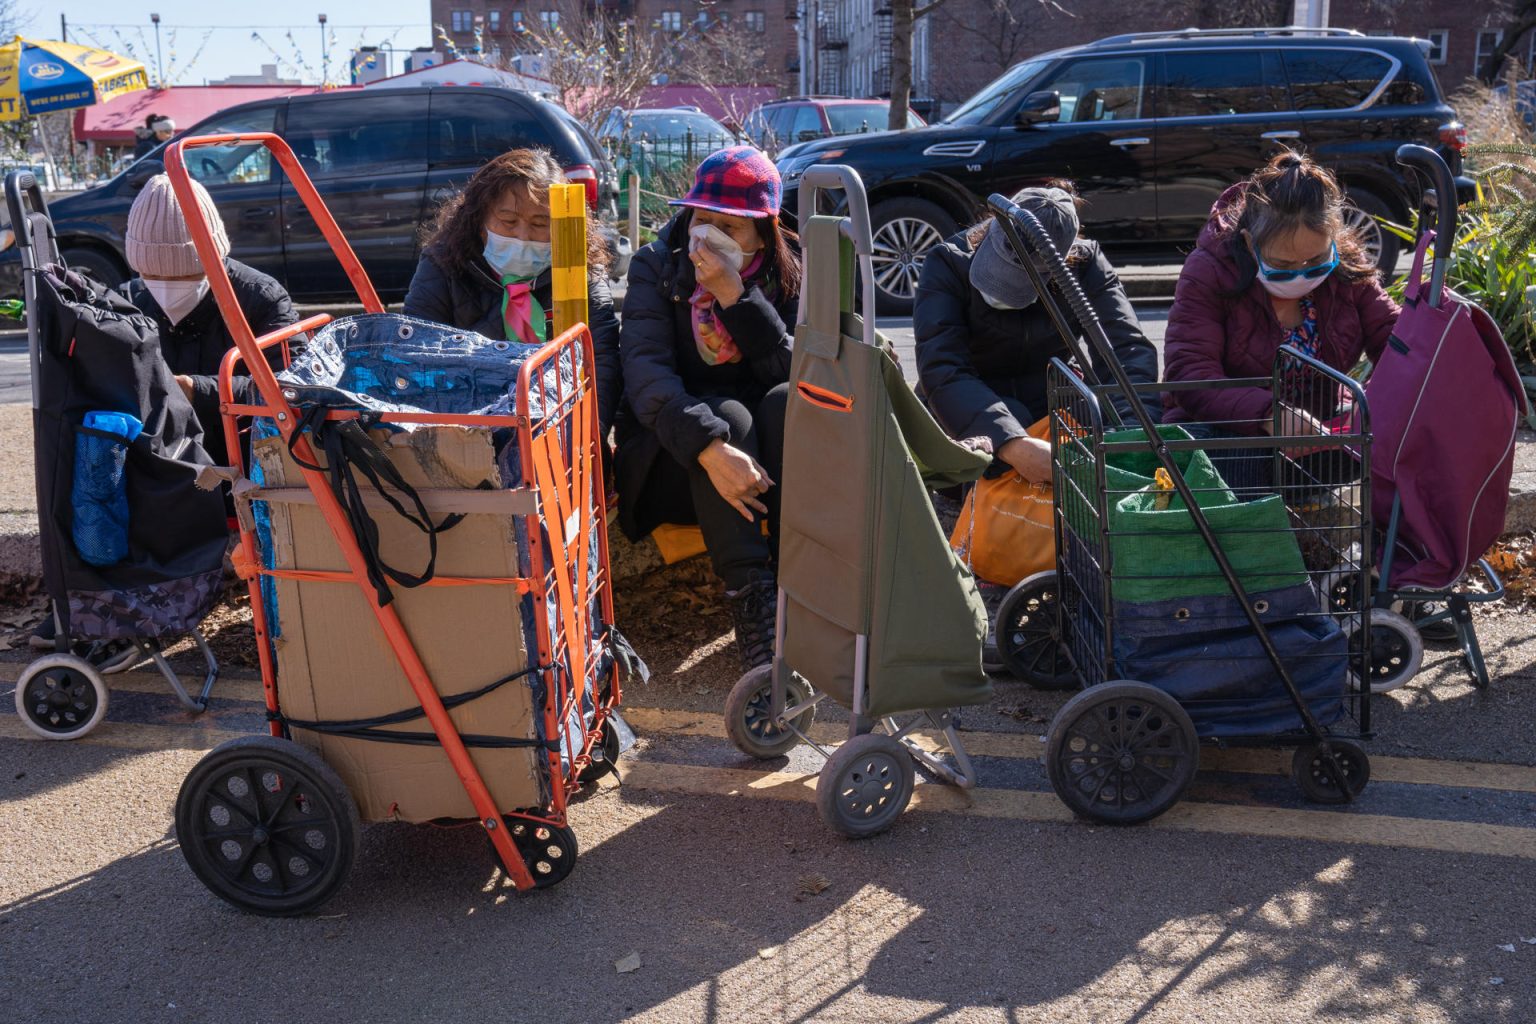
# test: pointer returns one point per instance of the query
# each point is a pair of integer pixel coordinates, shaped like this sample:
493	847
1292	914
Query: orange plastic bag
1006	530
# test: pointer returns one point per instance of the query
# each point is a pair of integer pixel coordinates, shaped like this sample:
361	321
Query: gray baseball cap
998	272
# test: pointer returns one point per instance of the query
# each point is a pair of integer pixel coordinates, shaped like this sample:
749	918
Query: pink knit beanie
158	242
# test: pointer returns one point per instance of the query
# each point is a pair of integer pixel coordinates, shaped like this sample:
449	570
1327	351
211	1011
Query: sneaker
755	609
992	595
111	656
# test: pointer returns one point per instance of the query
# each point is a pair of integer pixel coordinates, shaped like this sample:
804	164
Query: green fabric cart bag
860	549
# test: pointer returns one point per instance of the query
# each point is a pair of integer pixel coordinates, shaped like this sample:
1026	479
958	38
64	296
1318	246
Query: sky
213	38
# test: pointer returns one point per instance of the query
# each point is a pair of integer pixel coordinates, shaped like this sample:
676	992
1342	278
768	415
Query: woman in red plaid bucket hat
705	344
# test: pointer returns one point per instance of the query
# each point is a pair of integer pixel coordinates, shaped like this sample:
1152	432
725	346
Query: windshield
677	126
981	106
848	118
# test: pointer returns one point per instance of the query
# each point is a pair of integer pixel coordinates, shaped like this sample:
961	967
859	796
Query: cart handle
213	265
21	186
854	226
1434	169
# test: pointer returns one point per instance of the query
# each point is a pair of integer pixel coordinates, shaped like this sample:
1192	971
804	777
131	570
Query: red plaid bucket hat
740	181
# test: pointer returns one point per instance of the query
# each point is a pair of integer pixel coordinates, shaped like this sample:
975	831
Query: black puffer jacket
195	346
971	356
664	376
472	300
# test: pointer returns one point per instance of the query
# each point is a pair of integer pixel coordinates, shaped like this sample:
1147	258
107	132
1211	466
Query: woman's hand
1295	423
737	476
716	276
1030	457
188	386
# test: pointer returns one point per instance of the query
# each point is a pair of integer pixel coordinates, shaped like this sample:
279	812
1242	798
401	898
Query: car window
982	105
807	124
1219	82
779	120
1333	79
678	125
913	121
234	165
756	127
848	118
468	130
336	137
1100	89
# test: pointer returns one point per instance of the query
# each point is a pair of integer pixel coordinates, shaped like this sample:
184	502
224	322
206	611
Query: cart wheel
1121	752
1397	650
1029	634
865	785
61	697
1309	771
549	851
748	720
610	750
1341	591
267	826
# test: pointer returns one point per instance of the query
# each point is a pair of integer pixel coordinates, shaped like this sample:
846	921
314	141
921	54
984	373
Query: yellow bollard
568	232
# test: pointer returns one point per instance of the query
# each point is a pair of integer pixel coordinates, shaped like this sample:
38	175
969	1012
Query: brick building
503	22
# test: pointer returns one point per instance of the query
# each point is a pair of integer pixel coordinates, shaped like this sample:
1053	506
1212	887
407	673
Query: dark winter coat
1218	332
195	346
472	299
664	376
971	357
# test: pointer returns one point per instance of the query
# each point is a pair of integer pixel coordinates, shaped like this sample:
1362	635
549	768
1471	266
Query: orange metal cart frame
567	418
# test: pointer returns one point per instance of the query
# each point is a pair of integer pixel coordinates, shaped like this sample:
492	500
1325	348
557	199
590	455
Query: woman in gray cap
983	340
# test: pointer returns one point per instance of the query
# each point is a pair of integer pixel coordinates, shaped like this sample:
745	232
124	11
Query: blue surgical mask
515	257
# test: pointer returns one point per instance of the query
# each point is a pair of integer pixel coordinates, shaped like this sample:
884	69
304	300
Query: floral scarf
710	336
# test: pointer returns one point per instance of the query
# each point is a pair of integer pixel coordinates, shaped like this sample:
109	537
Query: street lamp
159	61
325	54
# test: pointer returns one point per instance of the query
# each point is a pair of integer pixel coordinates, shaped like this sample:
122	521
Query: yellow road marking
1020	805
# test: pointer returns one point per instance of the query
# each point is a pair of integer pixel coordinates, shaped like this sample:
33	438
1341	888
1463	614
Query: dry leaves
812	885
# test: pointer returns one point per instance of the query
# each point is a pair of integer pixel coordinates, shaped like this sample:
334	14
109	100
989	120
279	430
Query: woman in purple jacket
1274	266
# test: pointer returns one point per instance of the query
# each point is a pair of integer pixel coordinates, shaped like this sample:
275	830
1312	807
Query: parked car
660	140
781	123
1152	127
383	159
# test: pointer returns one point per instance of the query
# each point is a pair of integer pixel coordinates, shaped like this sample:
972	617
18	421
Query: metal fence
665	165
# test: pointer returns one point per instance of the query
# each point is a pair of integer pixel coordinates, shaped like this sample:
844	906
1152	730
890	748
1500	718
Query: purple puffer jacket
1215	335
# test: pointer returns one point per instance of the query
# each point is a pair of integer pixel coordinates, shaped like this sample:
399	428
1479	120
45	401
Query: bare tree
1521	19
719	55
1004	29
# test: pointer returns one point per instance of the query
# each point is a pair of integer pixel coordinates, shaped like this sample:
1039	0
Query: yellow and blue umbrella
37	76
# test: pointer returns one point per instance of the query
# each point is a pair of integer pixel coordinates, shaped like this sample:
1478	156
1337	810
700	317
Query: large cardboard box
333	662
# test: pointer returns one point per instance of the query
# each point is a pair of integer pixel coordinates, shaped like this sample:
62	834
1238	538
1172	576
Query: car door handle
1280	136
258	213
1128	143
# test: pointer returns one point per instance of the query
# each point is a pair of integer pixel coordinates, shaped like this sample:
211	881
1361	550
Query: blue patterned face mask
515	257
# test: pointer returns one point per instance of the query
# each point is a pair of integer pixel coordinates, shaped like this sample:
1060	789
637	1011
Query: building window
518	24
493	20
1487	40
702	19
462	21
755	21
550	19
1438	40
671	21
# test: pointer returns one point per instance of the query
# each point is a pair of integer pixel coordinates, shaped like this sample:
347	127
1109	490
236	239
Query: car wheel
97	266
1361	214
905	229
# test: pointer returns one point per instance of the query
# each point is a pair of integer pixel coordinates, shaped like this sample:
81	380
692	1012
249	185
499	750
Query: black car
1152	127
383	159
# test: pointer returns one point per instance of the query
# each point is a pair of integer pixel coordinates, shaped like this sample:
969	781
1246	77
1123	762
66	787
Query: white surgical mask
996	303
514	257
702	236
177	298
1294	289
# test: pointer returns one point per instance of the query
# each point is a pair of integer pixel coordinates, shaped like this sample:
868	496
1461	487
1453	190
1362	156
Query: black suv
1152	127
381	158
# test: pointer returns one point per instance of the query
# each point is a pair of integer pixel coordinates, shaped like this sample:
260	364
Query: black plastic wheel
1309	770
61	697
1342	592
865	785
549	851
1121	752
1397	650
1030	637
608	747
267	826
749	719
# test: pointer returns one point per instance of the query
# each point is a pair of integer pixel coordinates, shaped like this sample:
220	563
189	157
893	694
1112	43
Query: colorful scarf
710	336
522	315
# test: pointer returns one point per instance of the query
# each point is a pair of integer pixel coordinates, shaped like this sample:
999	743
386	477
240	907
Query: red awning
113	123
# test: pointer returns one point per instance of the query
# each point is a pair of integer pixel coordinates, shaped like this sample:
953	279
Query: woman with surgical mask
706	349
1275	266
171	286
485	266
984	340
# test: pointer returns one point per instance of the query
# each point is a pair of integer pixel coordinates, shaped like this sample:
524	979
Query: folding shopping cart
353	458
874	608
1192	570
